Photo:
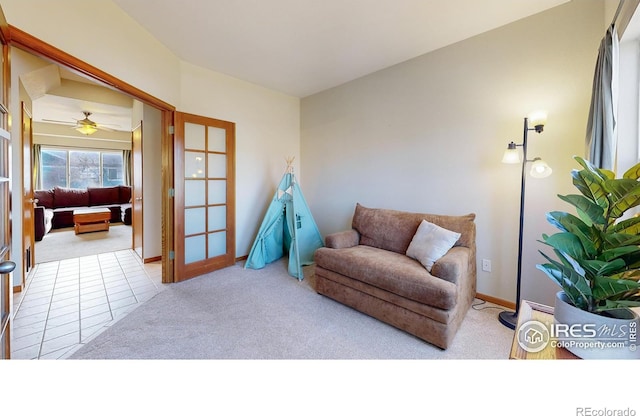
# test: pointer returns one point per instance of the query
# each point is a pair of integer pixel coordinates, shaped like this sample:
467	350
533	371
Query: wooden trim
168	182
34	45
497	301
151	259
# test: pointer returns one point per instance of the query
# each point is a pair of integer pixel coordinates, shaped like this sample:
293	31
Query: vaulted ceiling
298	47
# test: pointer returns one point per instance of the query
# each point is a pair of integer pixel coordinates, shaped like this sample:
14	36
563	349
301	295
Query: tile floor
67	303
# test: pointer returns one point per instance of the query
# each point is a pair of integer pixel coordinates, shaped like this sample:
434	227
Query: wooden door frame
137	191
27	200
6	280
35	46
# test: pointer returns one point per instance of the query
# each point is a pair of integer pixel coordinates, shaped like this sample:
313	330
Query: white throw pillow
431	242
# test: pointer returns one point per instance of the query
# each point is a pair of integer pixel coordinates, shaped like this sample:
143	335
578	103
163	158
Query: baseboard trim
152	259
497	301
243	258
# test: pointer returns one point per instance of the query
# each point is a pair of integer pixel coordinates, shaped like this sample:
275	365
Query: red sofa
54	207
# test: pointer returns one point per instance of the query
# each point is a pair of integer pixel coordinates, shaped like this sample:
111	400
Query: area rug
65	244
238	313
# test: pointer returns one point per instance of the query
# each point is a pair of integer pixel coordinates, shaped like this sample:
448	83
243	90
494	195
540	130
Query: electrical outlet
486	265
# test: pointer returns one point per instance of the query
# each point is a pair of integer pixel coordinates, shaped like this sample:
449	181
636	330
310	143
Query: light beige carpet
65	244
238	313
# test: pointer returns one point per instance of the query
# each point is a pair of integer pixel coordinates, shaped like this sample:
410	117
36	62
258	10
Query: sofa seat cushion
390	271
63	217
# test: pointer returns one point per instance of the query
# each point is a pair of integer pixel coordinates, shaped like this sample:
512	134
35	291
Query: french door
204	200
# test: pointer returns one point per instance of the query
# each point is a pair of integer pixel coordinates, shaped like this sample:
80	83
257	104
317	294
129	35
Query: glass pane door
205	194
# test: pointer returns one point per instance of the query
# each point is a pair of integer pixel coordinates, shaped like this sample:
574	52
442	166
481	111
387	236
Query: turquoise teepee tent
288	226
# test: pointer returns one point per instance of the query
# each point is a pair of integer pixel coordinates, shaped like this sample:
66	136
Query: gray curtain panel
126	166
37	177
601	128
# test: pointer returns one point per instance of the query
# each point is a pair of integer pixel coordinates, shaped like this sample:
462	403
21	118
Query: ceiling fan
85	126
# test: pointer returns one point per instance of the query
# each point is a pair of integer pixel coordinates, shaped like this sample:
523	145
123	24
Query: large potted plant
597	264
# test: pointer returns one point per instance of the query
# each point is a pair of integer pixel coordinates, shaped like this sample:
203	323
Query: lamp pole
507	318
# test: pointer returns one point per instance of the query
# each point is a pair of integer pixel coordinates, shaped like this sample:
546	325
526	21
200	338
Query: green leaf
591	186
572	224
567	222
620	239
575	285
633	172
593	211
592	168
606	287
617	252
625	194
616	304
603	268
566	243
628	226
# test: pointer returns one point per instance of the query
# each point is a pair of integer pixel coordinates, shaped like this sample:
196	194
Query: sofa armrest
38	223
453	265
343	239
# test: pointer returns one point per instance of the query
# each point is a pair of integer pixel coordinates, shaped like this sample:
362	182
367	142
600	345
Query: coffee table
91	219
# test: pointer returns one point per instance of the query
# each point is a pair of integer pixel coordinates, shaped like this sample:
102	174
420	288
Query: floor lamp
539	169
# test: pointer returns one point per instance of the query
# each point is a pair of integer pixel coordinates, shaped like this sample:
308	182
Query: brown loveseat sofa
54	207
367	269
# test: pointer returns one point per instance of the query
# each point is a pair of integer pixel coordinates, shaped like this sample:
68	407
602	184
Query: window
70	168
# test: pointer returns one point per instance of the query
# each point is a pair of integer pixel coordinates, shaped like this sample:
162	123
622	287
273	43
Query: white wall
267	122
427	135
628	98
100	33
267	132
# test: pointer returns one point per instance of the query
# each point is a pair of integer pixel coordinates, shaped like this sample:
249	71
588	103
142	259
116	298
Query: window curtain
601	137
126	167
37	177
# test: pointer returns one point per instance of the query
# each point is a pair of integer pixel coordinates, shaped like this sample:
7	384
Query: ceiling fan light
86	129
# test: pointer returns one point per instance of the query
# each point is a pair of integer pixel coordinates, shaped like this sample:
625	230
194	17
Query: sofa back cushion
393	230
44	197
104	196
70	197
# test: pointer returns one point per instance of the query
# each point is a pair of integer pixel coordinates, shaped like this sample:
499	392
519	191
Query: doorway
26	42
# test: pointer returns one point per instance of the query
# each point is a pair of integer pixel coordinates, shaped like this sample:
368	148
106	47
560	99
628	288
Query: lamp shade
511	155
538	119
540	169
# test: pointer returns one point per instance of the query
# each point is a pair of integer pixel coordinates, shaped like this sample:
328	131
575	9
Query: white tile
69	302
